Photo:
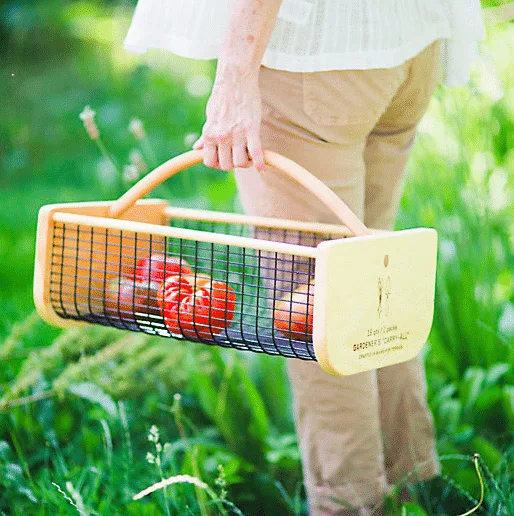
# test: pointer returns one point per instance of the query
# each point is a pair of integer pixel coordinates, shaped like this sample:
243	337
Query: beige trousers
354	130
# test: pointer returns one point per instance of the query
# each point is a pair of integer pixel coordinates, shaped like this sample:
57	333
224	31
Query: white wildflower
88	118
137	129
190	138
136	159
106	171
153	435
130	173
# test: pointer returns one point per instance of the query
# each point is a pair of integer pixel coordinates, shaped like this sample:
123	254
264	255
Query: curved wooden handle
285	165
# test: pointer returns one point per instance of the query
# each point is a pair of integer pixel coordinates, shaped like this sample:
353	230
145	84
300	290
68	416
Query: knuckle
251	125
238	137
223	136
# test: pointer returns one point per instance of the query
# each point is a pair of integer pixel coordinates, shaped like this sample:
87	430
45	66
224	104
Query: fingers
240	151
210	153
225	153
232	150
255	149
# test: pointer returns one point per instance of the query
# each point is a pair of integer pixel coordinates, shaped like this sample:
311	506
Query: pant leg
406	421
322	121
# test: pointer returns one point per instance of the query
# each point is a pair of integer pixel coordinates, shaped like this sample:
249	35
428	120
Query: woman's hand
231	134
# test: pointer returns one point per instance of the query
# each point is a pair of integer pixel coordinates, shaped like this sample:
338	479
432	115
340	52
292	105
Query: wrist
236	73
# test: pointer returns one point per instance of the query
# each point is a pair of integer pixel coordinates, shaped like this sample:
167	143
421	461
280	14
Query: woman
338	86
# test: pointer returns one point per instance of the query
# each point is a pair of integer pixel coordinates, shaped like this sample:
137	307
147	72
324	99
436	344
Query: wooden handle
285	165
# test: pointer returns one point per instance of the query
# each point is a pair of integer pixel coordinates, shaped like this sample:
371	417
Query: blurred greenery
84	444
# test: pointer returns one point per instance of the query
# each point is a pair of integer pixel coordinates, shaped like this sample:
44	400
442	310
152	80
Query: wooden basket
251	284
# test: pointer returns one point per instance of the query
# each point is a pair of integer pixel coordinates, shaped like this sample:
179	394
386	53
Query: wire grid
96	277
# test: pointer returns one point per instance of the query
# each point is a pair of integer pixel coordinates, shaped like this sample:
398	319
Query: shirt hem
363	60
182	47
370	59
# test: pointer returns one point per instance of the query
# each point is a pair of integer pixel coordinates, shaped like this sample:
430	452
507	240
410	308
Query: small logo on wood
384	294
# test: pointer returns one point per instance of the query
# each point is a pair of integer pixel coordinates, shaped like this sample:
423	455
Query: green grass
80	442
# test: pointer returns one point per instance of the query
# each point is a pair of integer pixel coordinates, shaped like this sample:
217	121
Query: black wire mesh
217	294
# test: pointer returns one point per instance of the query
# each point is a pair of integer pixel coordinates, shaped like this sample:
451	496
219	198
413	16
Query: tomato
124	297
201	313
293	314
174	289
175	285
158	267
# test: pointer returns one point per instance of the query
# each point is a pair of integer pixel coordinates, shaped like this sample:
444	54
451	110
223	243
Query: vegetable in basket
293	314
136	291
124	297
158	267
196	307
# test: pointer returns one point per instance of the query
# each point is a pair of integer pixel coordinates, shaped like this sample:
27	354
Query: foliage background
83	446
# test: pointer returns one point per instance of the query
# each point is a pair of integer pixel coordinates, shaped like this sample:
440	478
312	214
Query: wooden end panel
73	264
374	299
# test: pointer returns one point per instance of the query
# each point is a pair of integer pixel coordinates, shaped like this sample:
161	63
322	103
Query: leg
407	425
337	418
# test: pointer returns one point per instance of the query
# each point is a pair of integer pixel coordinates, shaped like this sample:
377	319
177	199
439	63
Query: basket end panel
374	299
77	255
41	287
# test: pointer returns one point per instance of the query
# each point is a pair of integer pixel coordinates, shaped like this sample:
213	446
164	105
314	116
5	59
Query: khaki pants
354	130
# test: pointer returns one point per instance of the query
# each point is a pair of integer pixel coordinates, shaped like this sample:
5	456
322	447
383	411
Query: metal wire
217	294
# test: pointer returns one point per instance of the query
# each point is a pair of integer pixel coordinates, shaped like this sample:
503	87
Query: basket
349	297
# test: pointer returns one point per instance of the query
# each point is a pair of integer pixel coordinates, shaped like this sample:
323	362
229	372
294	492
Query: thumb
198	144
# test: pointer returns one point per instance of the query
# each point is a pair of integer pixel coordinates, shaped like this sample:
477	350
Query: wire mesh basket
350	297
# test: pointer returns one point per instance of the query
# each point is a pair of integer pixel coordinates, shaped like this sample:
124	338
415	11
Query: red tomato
174	289
201	313
180	284
293	314
158	267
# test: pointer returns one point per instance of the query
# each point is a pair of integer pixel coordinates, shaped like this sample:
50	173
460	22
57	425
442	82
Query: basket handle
285	165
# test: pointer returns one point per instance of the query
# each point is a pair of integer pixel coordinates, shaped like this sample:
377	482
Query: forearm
230	136
250	28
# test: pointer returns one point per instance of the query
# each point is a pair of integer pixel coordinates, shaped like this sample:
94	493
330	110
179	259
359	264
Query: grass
109	413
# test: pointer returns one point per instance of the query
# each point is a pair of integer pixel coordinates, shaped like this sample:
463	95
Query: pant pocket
338	97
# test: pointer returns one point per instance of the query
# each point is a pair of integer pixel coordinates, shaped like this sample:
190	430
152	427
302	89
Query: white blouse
315	35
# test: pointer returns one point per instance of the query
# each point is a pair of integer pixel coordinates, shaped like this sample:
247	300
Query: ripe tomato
201	313
293	313
180	285
158	267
